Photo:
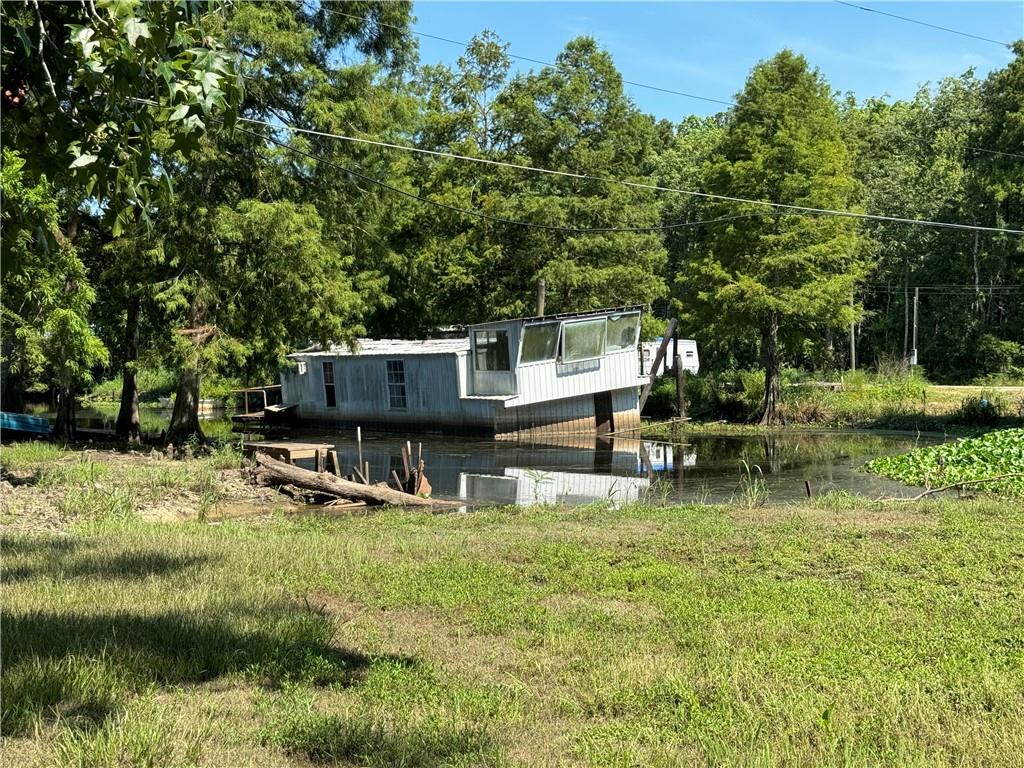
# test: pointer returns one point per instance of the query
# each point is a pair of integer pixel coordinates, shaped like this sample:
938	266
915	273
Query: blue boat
22	423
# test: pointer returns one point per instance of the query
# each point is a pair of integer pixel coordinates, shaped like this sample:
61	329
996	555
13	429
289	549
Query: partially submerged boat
573	373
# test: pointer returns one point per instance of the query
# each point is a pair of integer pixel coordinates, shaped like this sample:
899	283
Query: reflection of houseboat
575	373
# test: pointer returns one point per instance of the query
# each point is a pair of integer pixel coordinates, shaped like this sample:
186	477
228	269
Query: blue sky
707	48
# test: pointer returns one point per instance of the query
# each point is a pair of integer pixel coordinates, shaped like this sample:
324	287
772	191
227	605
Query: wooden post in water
662	350
680	387
359	445
333	464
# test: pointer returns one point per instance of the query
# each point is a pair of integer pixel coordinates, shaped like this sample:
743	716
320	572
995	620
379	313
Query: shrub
662	400
995	355
984	410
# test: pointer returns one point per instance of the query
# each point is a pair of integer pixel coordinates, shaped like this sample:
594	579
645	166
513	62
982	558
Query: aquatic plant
994	455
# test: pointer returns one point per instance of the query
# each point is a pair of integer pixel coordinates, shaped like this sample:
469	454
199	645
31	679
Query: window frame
636	333
564	337
558	343
330	387
477	349
396	383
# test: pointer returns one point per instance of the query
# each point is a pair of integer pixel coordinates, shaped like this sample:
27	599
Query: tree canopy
175	193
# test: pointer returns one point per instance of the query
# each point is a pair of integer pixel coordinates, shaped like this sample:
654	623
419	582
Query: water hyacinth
997	454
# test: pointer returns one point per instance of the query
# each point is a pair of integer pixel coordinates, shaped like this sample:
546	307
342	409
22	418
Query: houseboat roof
562	316
406	347
391	347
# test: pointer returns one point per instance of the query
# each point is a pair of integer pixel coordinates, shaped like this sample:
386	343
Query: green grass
977	458
103	483
30	454
838	633
866	401
152	383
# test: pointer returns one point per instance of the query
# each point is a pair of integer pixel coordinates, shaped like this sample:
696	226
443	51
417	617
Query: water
577	470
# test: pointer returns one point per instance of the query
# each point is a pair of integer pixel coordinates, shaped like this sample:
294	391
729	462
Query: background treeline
149	222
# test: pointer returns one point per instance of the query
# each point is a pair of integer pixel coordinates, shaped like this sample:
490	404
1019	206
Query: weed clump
366	738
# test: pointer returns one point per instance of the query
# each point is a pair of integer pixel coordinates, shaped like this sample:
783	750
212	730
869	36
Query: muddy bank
49	488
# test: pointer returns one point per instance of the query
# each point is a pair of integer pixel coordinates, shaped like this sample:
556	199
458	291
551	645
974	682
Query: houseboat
573	373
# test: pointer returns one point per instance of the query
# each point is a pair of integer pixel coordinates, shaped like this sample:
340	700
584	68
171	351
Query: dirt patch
82	483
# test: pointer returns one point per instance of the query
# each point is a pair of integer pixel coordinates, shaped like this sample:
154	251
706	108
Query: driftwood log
270	471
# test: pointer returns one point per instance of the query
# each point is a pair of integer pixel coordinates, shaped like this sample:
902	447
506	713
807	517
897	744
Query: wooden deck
288	451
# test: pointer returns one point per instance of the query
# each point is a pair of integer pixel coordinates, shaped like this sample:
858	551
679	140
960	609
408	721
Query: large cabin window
396	384
491	350
330	395
540	342
622	332
583	340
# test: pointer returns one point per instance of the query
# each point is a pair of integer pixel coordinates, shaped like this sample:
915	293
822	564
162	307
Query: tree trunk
65	424
12	389
128	422
772	372
270	471
184	424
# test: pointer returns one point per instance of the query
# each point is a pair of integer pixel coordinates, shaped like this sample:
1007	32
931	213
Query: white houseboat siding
528	377
369	390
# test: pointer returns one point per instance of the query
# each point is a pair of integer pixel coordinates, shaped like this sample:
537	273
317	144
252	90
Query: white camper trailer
687	352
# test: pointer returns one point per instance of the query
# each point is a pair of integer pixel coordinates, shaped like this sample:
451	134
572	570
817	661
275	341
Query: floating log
270	471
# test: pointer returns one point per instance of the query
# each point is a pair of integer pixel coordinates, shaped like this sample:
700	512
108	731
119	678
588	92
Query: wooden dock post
333	464
359	445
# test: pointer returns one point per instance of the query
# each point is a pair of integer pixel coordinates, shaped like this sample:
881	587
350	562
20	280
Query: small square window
492	351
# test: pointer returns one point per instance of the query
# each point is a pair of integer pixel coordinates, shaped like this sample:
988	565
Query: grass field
865	402
845	633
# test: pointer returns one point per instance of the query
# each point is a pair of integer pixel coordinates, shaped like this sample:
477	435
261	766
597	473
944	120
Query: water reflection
578	470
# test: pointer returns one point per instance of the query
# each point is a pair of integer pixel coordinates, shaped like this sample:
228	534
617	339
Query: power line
500	219
641	185
724	102
995	152
463	44
923	23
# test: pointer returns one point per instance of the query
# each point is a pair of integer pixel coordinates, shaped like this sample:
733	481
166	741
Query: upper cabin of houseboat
567	373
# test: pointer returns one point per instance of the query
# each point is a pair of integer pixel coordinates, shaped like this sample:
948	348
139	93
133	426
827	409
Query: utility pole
853	338
541	290
913	349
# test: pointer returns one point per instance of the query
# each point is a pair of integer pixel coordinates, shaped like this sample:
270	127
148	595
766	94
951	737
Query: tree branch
951	486
42	59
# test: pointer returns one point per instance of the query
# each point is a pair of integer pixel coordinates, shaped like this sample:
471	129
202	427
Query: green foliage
47	296
995	355
571	117
977	458
984	410
783	279
153	383
109	85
